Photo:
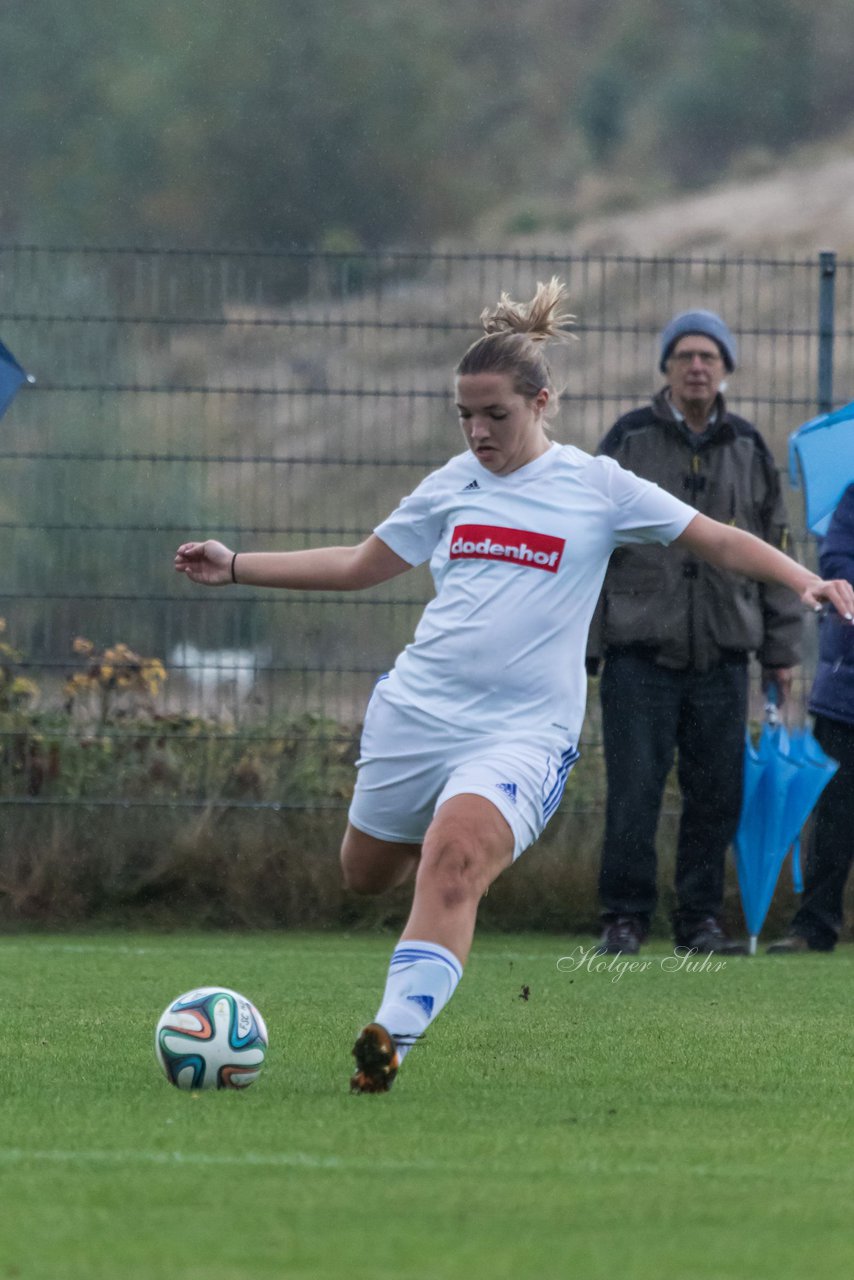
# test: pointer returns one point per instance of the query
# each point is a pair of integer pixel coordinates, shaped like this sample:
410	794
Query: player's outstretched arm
213	564
731	548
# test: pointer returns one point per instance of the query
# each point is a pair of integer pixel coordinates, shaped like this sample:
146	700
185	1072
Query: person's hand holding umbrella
779	679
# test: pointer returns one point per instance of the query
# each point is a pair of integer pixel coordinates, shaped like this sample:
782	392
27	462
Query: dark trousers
831	845
648	714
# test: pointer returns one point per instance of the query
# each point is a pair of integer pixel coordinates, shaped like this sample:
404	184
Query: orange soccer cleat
377	1060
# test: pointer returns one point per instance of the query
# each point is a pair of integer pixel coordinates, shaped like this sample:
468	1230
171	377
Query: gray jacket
682	611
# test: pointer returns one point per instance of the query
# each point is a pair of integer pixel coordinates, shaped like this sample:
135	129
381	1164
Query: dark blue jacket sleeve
833	689
836	559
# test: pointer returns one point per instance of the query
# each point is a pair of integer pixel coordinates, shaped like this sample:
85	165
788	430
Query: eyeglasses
708	359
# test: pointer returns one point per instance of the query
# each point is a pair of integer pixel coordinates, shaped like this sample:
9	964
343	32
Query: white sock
422	977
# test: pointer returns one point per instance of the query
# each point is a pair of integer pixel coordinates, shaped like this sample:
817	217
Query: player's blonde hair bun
540	319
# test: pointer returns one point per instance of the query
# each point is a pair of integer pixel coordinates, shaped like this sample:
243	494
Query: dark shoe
792	945
708	936
622	935
377	1060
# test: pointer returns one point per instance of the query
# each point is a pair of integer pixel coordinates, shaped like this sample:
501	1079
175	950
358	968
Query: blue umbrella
11	377
784	775
822	451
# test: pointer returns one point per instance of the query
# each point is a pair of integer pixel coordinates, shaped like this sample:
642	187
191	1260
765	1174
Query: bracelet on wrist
233	574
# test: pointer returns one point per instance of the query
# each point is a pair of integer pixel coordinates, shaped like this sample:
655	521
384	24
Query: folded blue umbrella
784	775
11	377
817	768
822	453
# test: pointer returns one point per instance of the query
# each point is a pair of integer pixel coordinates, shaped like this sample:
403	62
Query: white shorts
410	763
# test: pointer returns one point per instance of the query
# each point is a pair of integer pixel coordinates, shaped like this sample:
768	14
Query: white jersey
518	562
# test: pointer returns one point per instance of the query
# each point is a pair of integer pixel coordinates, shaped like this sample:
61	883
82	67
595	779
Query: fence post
826	298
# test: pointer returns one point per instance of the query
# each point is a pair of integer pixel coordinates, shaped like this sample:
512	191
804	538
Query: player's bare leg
467	845
373	866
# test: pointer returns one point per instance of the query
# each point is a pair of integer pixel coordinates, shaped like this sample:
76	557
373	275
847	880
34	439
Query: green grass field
654	1125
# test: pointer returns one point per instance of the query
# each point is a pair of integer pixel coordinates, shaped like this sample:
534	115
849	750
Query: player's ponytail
540	319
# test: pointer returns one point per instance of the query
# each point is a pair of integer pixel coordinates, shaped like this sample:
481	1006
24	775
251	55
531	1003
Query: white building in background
215	680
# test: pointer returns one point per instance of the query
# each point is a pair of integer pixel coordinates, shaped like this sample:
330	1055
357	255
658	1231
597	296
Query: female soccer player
468	741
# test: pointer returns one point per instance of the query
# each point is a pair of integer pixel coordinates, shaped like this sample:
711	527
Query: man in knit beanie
675	636
704	323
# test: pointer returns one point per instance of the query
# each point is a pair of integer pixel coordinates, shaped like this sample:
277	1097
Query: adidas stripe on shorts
410	763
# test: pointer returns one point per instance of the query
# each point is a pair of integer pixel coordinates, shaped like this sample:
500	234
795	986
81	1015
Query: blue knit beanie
704	322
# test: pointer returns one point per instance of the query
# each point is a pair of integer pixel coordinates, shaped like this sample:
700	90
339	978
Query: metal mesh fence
288	399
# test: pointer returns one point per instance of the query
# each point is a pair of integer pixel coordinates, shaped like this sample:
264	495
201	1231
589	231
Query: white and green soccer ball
211	1038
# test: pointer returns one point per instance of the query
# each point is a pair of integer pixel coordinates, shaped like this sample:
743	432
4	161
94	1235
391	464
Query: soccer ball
211	1038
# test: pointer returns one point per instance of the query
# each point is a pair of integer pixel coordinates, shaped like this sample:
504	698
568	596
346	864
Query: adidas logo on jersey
514	546
509	789
473	485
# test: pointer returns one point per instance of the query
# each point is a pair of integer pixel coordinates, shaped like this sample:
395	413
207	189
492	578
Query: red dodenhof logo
513	546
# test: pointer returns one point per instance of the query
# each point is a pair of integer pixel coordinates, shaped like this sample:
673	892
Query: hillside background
344	125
